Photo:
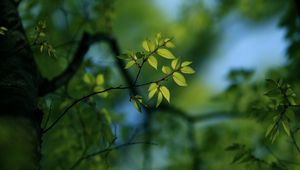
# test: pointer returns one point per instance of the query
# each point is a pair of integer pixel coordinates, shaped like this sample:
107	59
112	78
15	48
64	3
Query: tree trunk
19	80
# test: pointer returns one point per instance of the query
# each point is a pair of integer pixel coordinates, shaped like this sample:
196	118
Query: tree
61	105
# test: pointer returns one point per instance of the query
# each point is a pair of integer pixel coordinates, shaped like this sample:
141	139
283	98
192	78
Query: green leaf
186	63
179	79
99	79
137	105
292	100
187	70
123	57
145	46
174	64
286	127
98	89
166	70
88	78
165	53
129	64
273	93
152	61
169	44
152	86
166	93
269	130
159	99
152	93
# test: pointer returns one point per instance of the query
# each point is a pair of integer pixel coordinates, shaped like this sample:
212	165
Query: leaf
165	53
123	56
99	79
159	99
100	88
273	93
286	127
137	105
152	61
169	44
166	93
152	93
269	130
187	70
186	63
152	86
145	46
129	64
174	64
292	100
166	70
179	79
152	90
88	78
41	48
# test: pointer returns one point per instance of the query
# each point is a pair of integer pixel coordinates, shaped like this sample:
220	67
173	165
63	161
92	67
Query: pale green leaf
152	61
159	99
129	64
152	86
179	79
100	88
137	105
145	46
166	70
165	53
187	70
152	93
99	79
174	64
3	29
88	78
166	93
186	63
169	44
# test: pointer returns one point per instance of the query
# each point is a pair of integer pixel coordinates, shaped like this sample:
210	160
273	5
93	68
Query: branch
199	117
88	156
86	41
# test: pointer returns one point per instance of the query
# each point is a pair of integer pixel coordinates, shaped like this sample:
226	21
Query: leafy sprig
153	51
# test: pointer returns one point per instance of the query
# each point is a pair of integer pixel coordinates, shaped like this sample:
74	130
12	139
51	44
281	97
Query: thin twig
88	156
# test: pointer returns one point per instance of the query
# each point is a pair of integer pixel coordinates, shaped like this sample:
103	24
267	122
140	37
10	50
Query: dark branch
199	117
86	41
88	156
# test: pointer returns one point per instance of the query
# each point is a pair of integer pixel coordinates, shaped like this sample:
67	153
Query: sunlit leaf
99	79
179	79
88	78
152	61
159	99
166	70
187	70
186	63
152	86
100	88
152	93
166	93
174	64
129	64
145	46
169	44
165	53
137	105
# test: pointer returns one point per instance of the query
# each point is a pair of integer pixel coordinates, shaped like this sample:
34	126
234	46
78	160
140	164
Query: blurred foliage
183	141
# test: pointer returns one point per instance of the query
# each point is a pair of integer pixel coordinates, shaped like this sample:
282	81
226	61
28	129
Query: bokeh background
234	45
